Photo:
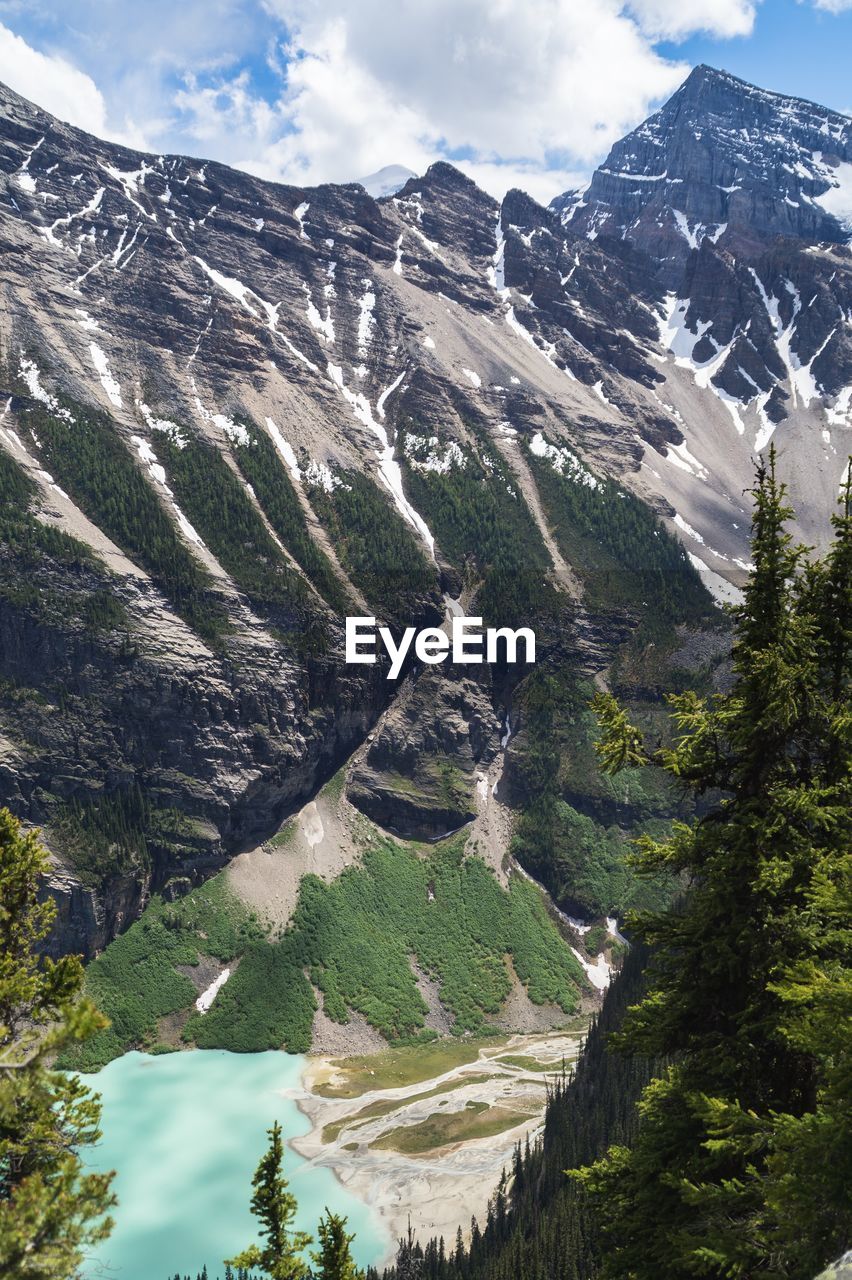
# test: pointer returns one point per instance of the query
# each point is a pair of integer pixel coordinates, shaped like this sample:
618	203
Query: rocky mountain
236	412
750	166
739	205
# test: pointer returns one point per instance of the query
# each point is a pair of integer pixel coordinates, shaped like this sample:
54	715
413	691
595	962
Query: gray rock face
272	407
418	776
739	204
726	160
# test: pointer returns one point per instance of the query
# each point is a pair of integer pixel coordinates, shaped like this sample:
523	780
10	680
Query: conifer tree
280	1256
333	1260
458	1256
742	1163
50	1210
409	1258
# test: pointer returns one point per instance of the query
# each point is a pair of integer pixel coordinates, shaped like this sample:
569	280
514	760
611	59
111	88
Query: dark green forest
96	469
485	530
30	551
621	550
218	506
376	547
572	829
262	468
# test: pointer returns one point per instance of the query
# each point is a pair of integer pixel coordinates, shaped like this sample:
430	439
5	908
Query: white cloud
677	19
525	92
516	92
519	79
332	122
832	6
59	87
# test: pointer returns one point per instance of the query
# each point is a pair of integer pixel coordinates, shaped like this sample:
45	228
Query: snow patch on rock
108	381
323	326
207	997
563	461
837	200
322	476
389	468
158	473
285	449
299	214
29	373
598	972
169	429
366	323
437	459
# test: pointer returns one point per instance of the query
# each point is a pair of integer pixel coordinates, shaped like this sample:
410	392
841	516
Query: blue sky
794	48
519	92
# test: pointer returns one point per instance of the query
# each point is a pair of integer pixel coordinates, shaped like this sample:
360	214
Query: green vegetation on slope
262	467
267	1004
582	858
485	529
376	547
31	549
355	938
90	461
220	509
110	833
584	864
20	530
136	981
620	549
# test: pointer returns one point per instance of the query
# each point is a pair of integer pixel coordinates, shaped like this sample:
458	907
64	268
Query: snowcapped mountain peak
386	181
723	159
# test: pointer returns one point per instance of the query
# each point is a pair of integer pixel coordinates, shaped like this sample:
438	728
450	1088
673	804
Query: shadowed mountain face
235	412
725	160
740	203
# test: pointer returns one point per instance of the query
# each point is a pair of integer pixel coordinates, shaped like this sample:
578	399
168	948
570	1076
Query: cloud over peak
515	92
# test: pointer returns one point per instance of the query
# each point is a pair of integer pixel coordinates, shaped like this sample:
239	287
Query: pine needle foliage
743	1163
333	1260
51	1211
280	1255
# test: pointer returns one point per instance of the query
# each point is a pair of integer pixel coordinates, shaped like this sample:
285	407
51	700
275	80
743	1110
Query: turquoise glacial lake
184	1132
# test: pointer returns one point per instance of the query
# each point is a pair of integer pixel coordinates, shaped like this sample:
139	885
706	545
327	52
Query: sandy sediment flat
398	1150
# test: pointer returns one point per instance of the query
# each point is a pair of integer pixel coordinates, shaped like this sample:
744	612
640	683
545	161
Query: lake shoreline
439	1188
421	1133
185	1132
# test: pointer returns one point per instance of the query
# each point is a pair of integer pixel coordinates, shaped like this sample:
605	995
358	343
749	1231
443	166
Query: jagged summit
441	174
260	377
724	159
703	78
